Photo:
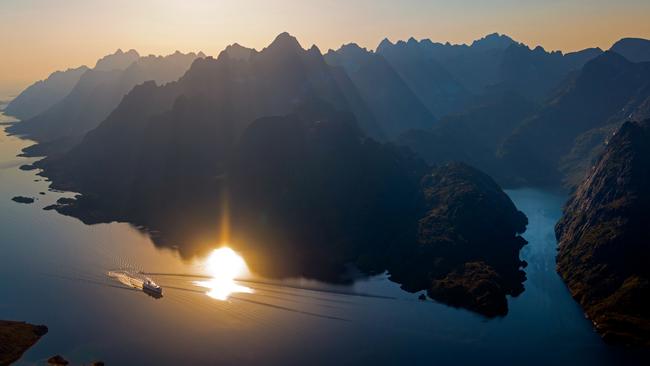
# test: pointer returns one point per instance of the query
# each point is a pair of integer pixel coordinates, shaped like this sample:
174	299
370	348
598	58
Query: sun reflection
224	265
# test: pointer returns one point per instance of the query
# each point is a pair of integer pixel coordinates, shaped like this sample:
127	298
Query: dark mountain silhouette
608	89
603	248
99	91
534	73
274	145
307	173
633	49
473	136
43	94
213	102
396	108
576	60
494	41
239	52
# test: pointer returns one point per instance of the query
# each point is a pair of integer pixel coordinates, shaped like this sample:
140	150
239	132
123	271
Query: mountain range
371	158
276	138
42	95
98	91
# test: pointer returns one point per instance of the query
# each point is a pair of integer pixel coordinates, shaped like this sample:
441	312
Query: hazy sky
41	36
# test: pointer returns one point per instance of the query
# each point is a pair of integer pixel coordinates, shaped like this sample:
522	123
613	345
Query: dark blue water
54	272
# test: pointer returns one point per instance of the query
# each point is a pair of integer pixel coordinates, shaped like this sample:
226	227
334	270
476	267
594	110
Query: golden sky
41	36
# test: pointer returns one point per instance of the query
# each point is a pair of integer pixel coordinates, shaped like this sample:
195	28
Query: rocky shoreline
16	338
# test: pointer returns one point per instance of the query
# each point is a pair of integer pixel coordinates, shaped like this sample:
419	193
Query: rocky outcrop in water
603	239
57	360
22	199
468	244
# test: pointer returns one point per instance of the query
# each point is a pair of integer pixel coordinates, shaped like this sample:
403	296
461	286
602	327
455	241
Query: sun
224	265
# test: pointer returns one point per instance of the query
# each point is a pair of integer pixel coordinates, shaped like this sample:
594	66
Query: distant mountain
473	136
497	60
99	91
633	49
437	89
239	52
534	73
395	106
576	60
445	76
608	90
117	61
603	247
43	94
494	41
475	66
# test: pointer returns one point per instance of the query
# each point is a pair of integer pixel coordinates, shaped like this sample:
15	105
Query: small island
27	167
23	199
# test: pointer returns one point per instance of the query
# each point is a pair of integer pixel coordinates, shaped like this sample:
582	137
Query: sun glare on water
224	265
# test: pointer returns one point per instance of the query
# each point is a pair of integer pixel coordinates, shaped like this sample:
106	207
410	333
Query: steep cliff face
603	239
593	99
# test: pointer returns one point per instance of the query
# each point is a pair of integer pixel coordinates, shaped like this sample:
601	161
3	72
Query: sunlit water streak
224	265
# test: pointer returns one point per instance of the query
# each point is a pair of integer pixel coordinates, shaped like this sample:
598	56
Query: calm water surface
55	269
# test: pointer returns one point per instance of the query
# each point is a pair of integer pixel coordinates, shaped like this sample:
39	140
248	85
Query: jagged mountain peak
493	41
119	60
352	48
634	49
239	52
314	49
285	41
607	59
385	43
